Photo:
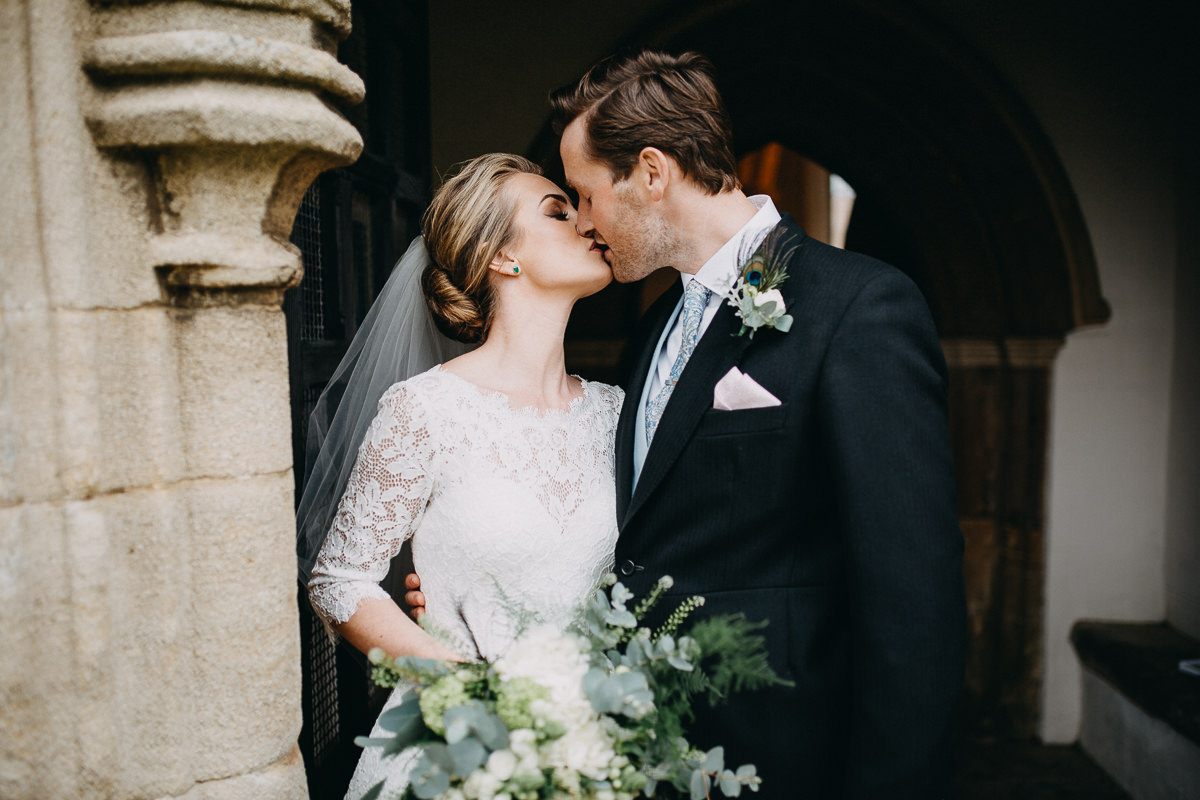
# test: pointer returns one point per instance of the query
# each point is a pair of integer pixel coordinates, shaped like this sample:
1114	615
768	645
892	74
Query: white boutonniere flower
758	308
755	294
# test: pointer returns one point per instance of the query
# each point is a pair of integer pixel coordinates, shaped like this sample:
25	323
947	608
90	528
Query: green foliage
734	656
678	616
513	701
445	693
644	683
388	672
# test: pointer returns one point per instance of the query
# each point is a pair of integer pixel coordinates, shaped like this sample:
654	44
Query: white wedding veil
397	339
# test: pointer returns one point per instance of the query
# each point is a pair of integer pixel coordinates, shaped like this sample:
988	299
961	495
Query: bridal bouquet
598	711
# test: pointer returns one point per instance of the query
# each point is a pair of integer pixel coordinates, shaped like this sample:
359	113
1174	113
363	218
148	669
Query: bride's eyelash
561	215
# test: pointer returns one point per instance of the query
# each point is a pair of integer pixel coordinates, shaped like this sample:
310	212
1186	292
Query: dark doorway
957	186
353	225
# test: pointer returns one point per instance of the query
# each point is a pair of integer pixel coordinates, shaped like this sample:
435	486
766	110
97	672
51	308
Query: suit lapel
656	317
719	349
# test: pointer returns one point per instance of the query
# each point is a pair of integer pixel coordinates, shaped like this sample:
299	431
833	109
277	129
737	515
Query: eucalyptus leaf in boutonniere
756	294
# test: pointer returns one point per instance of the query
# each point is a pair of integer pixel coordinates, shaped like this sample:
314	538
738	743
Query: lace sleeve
382	506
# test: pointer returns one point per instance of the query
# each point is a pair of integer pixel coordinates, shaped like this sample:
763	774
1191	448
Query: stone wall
154	155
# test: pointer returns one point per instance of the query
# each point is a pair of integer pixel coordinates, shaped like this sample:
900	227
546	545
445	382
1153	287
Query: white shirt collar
720	271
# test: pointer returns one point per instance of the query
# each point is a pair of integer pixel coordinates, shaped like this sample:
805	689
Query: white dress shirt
718	274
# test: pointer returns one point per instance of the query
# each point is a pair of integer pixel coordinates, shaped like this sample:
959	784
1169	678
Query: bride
496	463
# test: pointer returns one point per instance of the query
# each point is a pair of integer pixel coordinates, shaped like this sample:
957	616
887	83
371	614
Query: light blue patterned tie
695	298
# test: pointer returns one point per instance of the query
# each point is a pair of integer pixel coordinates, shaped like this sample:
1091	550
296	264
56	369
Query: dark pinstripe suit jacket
832	516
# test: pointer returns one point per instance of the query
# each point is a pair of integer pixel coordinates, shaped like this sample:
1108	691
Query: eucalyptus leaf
439	755
730	786
621	618
367	741
468	755
699	785
424	666
679	662
634	681
404	721
746	771
714	760
391	719
431	783
606	696
456	727
784	323
593	679
492	732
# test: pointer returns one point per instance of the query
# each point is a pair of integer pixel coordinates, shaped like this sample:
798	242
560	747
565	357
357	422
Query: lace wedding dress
511	514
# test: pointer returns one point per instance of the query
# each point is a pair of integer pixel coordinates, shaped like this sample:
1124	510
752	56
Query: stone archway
958	186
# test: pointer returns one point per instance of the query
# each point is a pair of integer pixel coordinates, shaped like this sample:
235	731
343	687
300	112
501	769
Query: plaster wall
1183	463
1106	111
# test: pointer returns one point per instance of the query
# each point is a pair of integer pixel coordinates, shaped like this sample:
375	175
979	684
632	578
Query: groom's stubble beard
643	241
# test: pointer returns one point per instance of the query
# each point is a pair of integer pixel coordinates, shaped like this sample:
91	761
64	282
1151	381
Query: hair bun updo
470	220
454	312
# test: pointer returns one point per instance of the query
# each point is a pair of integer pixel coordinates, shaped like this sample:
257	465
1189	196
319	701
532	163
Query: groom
823	500
801	476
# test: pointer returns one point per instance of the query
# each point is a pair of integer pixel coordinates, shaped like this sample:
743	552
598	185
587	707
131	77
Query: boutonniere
756	294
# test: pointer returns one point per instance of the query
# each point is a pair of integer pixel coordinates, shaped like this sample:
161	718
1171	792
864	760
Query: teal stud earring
516	270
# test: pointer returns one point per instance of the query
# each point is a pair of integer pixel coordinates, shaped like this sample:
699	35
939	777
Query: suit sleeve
883	406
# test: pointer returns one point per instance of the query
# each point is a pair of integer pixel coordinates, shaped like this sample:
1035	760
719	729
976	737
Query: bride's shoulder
418	393
609	396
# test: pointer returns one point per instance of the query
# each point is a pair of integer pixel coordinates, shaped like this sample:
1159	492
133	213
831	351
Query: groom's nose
583	222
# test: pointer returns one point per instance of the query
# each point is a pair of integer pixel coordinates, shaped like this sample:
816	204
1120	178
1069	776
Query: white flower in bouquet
523	743
502	764
586	749
556	661
481	785
568	780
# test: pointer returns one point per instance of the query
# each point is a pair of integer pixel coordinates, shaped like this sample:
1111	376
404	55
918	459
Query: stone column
155	154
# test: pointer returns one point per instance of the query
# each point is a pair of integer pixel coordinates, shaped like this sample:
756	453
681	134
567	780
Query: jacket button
628	567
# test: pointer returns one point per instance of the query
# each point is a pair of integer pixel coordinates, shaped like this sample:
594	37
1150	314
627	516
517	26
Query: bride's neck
523	355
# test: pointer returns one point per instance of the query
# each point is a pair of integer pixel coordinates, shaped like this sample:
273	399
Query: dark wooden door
352	226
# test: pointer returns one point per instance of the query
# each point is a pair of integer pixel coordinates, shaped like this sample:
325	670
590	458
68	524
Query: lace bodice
511	511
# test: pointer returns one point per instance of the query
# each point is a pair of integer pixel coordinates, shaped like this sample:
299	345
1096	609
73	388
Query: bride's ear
505	264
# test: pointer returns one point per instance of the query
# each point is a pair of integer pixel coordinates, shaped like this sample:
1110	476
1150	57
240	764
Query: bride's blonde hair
470	220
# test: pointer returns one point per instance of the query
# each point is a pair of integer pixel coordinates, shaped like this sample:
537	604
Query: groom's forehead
580	168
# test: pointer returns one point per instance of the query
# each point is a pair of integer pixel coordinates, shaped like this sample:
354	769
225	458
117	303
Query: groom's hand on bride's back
414	597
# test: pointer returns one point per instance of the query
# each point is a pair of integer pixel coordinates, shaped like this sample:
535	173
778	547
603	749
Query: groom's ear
657	170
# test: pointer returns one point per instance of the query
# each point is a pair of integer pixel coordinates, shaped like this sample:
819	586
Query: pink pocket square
737	391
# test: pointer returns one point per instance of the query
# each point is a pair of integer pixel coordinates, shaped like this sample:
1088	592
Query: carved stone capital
234	104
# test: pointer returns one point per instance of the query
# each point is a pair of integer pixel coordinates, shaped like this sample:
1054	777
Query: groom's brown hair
652	99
